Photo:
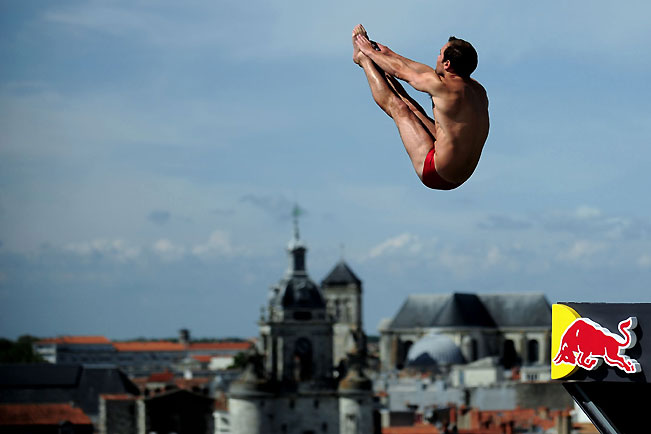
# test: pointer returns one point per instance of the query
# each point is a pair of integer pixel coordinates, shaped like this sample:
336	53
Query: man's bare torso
461	128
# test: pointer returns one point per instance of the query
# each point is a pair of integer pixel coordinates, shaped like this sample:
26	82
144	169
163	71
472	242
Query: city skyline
151	156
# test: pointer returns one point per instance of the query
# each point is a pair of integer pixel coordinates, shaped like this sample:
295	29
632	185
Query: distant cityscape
444	363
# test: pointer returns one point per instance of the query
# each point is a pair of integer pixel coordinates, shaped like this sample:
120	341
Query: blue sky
151	152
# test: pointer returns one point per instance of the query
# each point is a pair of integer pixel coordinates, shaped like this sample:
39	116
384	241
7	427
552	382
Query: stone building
141	358
462	328
291	385
170	411
342	290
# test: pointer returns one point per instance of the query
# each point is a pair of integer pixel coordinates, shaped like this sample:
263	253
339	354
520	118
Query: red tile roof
41	414
148	346
221	346
161	377
76	340
415	429
189	384
118	397
202	358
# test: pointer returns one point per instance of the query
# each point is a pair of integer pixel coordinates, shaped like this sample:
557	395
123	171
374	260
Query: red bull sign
601	352
583	343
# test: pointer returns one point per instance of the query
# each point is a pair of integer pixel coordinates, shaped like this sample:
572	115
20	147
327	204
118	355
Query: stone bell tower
297	334
289	386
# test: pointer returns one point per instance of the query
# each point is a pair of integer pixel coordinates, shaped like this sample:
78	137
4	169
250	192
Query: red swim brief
431	178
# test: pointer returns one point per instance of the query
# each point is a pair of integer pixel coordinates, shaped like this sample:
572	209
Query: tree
21	351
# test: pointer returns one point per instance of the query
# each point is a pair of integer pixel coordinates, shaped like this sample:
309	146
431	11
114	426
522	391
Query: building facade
291	385
512	328
342	291
141	358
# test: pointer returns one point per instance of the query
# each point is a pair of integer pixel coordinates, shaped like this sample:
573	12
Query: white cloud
116	249
590	221
167	250
494	256
581	250
395	244
587	212
644	261
218	244
460	264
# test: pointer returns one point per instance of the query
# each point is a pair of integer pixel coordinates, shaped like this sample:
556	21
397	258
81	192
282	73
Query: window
303	359
509	355
301	315
533	351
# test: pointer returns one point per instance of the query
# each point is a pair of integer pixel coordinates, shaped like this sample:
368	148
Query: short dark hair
462	56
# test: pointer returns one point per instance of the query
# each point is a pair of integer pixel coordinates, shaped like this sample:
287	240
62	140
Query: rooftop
221	346
149	346
41	414
473	310
75	340
341	274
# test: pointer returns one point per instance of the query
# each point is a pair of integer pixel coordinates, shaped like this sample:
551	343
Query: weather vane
296	213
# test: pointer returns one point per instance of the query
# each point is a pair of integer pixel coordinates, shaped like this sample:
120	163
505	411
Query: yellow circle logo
562	317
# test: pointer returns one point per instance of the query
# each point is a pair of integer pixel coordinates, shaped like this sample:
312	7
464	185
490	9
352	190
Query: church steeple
296	290
296	248
297	335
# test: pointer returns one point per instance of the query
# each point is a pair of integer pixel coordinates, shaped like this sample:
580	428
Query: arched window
469	348
303	359
509	355
533	351
403	350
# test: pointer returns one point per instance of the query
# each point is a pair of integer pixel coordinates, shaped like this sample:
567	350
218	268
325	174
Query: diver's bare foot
357	53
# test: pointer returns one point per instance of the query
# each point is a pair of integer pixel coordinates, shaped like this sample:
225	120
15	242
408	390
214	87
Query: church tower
297	334
289	386
343	293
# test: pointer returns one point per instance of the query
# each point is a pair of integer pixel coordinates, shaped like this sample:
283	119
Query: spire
296	289
295	242
296	248
296	212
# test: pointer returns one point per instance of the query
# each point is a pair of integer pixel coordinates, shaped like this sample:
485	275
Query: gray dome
301	292
434	349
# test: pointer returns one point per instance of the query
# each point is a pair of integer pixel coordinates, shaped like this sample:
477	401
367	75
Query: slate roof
472	310
39	375
518	309
47	383
341	274
301	292
442	310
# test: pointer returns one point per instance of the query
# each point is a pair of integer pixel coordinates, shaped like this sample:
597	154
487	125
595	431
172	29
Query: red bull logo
586	344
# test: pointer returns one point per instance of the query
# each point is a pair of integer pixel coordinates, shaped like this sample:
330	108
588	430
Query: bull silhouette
585	343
